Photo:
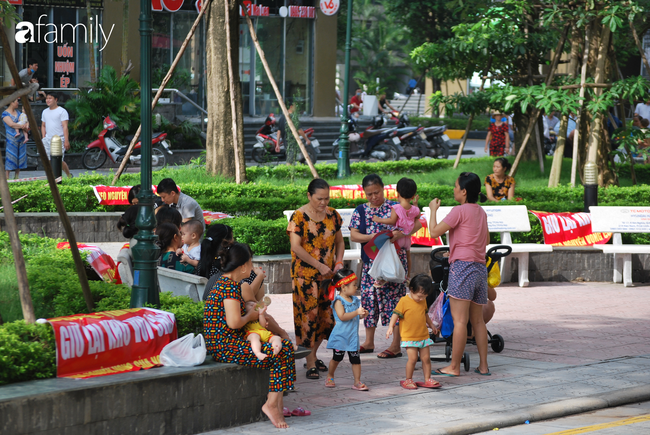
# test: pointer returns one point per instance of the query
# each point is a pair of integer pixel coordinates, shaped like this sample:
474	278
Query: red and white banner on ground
110	342
569	229
355	191
100	261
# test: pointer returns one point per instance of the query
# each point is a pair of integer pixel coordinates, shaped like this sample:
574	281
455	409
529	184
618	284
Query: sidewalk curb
548	411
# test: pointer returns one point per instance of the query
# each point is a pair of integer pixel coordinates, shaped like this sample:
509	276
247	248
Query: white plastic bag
387	266
186	351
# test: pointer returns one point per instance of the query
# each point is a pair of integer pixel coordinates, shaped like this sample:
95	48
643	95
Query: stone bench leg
627	269
522	273
618	268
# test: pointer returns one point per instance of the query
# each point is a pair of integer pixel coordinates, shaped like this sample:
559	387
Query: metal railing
189	100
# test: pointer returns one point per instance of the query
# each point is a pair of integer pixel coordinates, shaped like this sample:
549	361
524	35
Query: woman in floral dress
379	302
317	248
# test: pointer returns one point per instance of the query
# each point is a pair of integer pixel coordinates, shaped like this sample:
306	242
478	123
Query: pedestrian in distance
345	335
498	139
54	122
411	311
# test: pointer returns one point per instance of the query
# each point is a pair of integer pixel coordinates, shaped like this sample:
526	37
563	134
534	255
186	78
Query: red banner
355	191
422	237
100	261
211	216
110	342
116	195
569	229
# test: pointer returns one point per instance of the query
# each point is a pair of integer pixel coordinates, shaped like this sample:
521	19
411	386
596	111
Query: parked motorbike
374	142
107	145
422	142
264	149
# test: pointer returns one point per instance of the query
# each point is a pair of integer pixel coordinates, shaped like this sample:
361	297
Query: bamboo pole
536	112
623	119
596	123
161	88
471	117
56	196
233	101
16	248
583	78
285	112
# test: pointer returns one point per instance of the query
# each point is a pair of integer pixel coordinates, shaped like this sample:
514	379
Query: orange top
412	320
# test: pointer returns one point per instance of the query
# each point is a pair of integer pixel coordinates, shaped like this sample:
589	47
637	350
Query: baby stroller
440	273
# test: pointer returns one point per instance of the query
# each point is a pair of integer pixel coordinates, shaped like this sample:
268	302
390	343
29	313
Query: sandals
408	384
329	383
360	387
429	384
286	412
364	350
312	373
320	365
300	412
387	354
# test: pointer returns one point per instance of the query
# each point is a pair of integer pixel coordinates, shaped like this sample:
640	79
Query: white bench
619	220
505	219
181	283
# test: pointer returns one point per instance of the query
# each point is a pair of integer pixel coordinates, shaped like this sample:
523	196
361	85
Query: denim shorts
468	281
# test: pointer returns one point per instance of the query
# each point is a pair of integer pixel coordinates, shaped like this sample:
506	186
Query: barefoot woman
224	319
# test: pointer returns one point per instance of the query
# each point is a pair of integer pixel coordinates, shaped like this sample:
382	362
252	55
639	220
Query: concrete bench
505	220
617	220
181	283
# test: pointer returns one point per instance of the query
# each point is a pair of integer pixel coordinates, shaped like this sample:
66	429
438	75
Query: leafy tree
110	95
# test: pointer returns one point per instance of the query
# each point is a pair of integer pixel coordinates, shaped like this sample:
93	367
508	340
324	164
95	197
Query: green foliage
26	352
472	104
8	14
180	77
110	95
264	237
189	131
189	314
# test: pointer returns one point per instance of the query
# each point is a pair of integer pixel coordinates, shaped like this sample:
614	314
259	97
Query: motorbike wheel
392	155
443	151
93	158
158	158
313	156
259	155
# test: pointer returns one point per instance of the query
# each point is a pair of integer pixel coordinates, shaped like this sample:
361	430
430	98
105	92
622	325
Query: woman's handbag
387	265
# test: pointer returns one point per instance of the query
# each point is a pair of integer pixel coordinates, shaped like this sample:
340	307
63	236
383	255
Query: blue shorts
468	281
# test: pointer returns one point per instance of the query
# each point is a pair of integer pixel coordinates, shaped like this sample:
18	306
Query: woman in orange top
317	248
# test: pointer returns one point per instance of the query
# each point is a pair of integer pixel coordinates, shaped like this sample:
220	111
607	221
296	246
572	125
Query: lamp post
145	252
343	168
56	151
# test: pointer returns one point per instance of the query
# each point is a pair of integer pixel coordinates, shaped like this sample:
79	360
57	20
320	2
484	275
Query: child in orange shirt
413	320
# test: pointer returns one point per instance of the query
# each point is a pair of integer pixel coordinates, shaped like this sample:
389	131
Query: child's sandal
360	387
408	384
329	383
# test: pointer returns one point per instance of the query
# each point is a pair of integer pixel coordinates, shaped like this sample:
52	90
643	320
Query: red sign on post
569	229
110	342
329	7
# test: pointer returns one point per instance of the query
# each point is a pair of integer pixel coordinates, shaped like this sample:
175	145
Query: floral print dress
381	302
499	190
312	311
230	345
498	140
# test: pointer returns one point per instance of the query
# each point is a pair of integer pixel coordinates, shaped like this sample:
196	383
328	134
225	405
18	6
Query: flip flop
387	354
300	412
430	384
476	370
408	384
312	373
439	373
360	387
286	412
364	350
329	383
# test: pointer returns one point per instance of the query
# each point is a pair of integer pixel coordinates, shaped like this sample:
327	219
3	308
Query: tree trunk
125	34
220	151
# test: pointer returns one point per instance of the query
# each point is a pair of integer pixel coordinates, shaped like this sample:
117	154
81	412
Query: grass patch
10	308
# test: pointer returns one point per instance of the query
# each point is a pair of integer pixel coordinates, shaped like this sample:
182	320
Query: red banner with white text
100	261
569	229
110	342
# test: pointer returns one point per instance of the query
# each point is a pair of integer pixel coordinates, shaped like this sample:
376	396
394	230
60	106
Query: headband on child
331	290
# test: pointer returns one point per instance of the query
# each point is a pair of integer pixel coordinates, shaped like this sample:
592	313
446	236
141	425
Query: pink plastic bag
435	312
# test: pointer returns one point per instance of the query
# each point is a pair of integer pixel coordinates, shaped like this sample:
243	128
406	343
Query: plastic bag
187	351
447	327
435	312
387	266
494	275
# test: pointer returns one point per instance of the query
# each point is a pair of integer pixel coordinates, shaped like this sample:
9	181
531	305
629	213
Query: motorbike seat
370	133
435	130
129	138
404	130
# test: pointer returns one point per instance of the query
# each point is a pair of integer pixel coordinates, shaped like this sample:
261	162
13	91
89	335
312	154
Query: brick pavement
562	340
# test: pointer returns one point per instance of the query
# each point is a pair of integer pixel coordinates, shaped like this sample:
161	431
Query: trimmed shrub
26	352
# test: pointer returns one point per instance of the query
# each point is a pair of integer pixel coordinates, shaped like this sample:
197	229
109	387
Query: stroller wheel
466	361
497	343
447	352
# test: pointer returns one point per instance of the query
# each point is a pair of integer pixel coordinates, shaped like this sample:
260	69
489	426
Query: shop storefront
61	36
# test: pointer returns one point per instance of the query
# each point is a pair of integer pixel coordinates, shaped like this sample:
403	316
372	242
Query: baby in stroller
439	265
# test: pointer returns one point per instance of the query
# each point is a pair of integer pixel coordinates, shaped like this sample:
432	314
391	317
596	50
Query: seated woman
499	186
169	237
224	318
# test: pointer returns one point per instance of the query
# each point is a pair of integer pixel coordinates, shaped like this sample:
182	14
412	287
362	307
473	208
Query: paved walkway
569	348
